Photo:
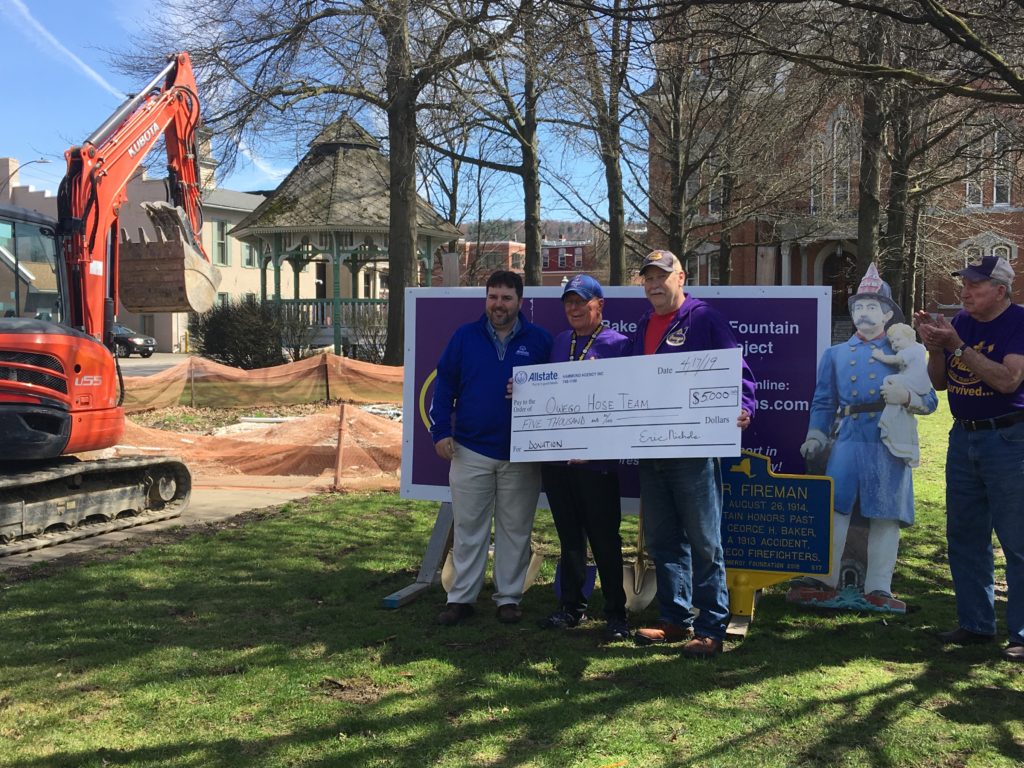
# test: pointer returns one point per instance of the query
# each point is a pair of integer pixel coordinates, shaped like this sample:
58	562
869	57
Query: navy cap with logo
585	287
994	268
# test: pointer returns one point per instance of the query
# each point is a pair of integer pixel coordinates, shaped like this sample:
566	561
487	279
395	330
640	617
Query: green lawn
265	645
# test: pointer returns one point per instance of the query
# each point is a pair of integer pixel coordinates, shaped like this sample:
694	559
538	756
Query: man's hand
743	420
895	393
445	448
811	448
937	333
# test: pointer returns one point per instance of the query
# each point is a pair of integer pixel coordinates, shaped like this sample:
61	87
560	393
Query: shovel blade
640	585
448	570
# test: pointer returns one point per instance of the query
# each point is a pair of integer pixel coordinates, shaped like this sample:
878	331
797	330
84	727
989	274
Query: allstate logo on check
522	377
543	376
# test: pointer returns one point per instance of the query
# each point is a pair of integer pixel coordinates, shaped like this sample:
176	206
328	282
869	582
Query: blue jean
682	507
984	493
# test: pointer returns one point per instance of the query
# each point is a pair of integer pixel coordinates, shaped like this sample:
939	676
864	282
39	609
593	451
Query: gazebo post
337	258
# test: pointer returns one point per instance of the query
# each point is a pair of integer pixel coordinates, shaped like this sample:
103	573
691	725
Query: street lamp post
12	174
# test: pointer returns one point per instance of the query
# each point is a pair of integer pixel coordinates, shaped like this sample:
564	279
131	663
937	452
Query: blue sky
59	84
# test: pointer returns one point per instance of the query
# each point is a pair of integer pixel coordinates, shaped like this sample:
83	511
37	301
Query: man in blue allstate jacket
471	427
682	497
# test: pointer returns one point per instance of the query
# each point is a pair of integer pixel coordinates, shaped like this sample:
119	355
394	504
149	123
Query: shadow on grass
282	620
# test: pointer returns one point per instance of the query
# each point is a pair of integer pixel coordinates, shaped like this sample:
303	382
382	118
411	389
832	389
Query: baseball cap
585	287
994	268
664	260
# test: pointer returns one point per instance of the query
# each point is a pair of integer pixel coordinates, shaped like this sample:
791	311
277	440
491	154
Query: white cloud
262	165
26	23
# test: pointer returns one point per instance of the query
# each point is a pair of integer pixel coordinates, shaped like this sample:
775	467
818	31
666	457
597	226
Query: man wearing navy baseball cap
584	497
978	358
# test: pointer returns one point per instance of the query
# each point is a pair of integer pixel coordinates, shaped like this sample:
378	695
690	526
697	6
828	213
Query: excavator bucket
169	275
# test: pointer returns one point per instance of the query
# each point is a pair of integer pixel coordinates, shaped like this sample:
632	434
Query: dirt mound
305	446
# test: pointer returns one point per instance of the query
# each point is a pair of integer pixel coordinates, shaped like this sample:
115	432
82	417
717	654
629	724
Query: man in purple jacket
471	424
682	497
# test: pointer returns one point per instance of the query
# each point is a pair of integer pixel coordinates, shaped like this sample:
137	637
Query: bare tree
271	69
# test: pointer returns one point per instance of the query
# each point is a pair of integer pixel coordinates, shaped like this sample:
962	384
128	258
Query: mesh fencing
201	383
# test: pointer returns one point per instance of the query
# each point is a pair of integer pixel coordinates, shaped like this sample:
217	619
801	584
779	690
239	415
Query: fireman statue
856	383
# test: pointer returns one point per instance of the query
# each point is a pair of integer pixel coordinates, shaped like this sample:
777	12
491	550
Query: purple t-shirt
969	396
608	343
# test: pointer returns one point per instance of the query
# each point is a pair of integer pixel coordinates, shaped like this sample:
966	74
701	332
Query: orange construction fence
198	383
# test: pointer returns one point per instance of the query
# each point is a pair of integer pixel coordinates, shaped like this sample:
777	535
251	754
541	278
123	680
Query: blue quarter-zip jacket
469	400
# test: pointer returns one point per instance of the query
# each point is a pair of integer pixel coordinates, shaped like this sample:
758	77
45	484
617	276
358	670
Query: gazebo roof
341	184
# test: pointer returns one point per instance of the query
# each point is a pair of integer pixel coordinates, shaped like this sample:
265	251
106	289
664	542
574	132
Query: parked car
127	341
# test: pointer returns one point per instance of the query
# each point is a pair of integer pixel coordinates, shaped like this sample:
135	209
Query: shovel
536	561
638	578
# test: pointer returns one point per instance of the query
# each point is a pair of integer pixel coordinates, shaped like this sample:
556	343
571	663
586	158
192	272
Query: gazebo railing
360	322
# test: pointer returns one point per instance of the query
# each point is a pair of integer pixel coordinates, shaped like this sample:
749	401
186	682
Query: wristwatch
959	351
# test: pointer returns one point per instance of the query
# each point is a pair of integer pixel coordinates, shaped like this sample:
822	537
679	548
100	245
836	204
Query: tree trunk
871	138
725	239
531	163
893	252
402	165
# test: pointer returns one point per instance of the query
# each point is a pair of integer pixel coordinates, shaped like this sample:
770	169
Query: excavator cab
169	274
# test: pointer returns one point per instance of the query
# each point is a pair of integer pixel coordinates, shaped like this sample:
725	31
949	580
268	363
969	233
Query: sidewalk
214	499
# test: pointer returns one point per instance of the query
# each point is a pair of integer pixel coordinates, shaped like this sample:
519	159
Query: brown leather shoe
702	647
455	613
662	632
961	636
1014	652
509	613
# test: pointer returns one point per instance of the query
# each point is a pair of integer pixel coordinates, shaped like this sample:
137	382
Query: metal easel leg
430	569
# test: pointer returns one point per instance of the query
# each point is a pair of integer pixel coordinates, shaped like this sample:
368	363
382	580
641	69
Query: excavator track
65	500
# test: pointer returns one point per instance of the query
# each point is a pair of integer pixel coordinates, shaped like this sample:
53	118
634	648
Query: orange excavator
61	387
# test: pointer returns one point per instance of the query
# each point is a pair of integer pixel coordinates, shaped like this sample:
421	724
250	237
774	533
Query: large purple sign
783	330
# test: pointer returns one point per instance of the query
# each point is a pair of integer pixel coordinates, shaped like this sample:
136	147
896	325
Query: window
561	258
517	261
220	243
249	256
715	187
1001	173
223	299
545	260
578	261
148	324
972	185
691	186
1001	251
972	254
972	192
817	177
702	269
842	153
367	284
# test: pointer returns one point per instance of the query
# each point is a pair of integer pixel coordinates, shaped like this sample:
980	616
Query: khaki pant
483	488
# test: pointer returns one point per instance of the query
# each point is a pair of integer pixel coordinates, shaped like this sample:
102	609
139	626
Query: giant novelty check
683	404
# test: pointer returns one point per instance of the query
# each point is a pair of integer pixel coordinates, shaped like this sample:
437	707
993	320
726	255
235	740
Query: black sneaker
454	613
615	629
562	619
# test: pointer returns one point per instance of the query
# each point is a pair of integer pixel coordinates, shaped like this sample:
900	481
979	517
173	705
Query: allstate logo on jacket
523	351
678	337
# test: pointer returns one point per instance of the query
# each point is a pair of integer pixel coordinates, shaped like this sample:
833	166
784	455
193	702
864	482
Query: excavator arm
100	268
